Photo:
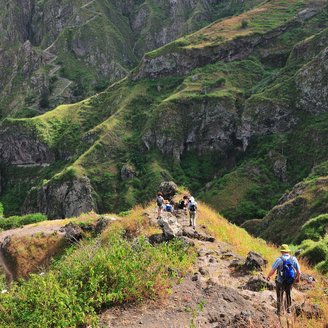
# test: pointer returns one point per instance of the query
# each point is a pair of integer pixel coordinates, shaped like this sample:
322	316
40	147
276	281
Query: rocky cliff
59	52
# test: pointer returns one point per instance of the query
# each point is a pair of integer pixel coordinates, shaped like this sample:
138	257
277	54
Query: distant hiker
192	207
159	202
288	272
168	207
183	203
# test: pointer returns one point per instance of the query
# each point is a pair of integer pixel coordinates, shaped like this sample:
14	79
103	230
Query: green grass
93	277
19	221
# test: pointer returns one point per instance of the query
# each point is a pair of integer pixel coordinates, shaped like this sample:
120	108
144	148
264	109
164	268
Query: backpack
159	200
192	208
169	208
181	204
287	272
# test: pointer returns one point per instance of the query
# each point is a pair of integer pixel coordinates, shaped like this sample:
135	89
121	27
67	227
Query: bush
317	253
244	24
94	276
314	229
323	267
18	221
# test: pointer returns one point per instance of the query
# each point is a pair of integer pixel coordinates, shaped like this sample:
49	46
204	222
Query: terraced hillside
61	52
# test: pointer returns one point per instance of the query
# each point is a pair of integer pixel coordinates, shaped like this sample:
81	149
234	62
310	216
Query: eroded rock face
127	172
184	60
106	42
201	126
62	199
19	147
312	83
284	221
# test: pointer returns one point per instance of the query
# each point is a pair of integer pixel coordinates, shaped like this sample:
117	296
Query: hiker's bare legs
159	211
193	219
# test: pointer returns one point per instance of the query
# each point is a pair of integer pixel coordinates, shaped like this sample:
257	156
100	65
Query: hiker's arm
298	271
298	277
270	274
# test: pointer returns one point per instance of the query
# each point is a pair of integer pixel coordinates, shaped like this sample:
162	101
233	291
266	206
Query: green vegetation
19	221
315	229
94	276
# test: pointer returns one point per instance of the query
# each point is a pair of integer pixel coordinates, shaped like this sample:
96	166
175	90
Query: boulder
307	278
73	232
157	238
101	225
193	234
309	310
254	262
127	172
169	189
170	226
258	284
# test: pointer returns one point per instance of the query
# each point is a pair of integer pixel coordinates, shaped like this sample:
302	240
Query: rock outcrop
201	125
62	199
312	85
306	200
19	146
168	189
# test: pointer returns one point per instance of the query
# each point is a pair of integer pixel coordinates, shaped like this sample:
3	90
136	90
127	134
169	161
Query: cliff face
56	52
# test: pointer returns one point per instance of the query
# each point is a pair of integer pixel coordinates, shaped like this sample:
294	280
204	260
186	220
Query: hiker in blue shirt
288	272
169	207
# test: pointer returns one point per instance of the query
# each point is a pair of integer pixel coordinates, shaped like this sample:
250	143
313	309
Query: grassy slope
80	284
263	18
102	30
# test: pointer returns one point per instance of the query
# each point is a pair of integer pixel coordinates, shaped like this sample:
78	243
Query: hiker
192	207
159	202
183	203
168	207
288	272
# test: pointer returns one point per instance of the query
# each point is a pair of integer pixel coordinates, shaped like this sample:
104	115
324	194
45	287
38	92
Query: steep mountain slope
62	51
219	104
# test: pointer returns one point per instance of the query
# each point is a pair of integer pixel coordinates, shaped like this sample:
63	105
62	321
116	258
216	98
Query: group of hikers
286	266
187	203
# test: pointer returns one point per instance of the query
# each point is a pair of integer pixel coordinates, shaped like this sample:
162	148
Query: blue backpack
288	271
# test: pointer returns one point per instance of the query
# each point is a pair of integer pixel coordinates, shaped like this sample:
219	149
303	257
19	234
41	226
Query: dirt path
214	295
46	227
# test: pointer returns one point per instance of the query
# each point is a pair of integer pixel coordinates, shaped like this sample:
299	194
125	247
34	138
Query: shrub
317	253
92	277
314	229
323	267
18	221
244	24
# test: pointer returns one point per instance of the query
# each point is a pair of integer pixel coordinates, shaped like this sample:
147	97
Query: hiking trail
214	294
